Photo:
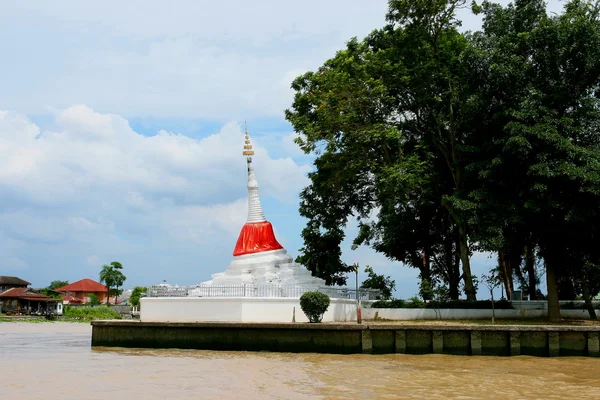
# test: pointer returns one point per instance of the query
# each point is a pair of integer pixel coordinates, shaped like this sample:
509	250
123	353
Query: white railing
266	290
249	290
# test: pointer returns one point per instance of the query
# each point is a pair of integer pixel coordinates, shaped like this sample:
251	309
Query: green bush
90	313
416	303
394	303
93	300
578	306
314	305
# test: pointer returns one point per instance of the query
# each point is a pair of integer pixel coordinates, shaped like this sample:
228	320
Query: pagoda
258	258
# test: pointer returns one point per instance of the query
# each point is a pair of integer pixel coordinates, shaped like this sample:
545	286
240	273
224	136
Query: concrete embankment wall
353	338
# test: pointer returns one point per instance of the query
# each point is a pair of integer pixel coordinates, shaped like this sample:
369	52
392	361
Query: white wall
428	313
237	309
273	309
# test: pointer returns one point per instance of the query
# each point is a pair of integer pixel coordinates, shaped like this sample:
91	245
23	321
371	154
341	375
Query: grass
71	314
90	313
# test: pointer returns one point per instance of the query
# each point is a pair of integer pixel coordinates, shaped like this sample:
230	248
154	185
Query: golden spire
248	146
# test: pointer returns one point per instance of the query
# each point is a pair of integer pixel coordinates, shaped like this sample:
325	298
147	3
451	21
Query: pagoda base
274	267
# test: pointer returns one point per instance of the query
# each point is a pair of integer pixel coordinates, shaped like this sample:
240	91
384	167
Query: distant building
9	282
24	300
80	291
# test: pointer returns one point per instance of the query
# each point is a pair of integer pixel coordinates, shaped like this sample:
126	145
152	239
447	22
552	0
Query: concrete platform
346	338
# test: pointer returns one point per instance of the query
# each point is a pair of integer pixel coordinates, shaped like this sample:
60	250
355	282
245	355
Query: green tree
136	294
491	281
56	284
385	119
112	277
381	282
538	159
50	289
93	300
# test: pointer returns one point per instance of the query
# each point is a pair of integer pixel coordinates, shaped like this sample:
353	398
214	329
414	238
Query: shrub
90	313
93	300
314	305
394	303
416	303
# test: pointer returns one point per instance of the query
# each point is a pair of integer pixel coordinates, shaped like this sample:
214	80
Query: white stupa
259	259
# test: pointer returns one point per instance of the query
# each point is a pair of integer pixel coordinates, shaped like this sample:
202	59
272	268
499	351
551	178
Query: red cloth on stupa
256	237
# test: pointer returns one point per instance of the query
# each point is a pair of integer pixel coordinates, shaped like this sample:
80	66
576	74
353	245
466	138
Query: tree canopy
112	277
136	294
441	143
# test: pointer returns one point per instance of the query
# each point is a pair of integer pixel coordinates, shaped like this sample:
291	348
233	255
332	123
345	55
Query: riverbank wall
497	340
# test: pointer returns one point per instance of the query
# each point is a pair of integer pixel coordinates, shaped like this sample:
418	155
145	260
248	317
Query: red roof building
79	292
25	300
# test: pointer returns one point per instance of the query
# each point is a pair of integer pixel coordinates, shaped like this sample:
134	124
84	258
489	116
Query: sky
121	131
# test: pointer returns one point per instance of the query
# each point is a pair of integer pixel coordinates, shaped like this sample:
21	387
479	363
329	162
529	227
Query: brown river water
55	361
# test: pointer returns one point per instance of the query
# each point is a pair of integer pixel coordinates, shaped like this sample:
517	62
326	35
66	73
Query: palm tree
112	276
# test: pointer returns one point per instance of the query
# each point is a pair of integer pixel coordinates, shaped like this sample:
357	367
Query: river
54	360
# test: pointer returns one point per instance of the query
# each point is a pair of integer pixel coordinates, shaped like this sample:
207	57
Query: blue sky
121	132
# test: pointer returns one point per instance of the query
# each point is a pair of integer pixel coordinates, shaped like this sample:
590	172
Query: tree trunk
553	305
530	267
453	269
456	270
513	262
107	295
466	263
588	299
493	309
504	270
426	271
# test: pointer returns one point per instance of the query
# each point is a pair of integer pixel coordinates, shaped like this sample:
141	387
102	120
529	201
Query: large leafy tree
536	78
385	117
112	276
442	143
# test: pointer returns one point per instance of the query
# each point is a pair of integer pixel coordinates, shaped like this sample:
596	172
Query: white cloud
291	147
225	60
98	158
95	187
218	60
93	260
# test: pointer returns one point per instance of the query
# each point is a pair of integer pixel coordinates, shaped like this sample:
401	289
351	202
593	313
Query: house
9	282
24	300
80	291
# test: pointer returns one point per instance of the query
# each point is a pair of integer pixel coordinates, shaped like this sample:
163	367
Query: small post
294	315
358	313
